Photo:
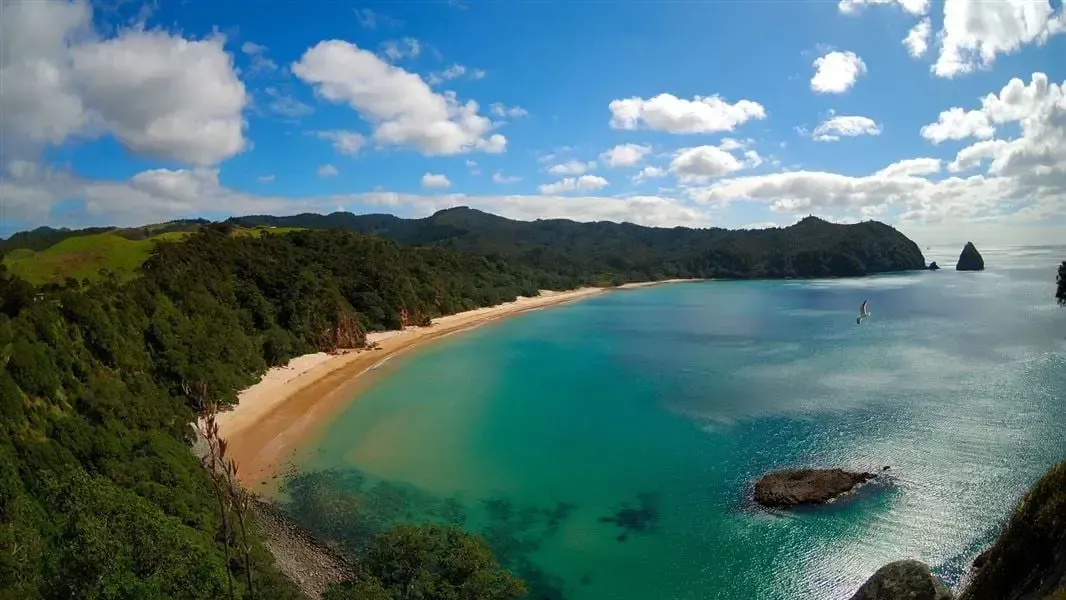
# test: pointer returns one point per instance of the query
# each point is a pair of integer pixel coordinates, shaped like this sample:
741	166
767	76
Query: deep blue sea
606	448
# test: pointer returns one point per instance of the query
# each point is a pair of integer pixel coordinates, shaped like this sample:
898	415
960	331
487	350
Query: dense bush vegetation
612	252
432	562
100	496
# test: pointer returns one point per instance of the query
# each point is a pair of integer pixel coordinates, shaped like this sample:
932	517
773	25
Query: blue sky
177	109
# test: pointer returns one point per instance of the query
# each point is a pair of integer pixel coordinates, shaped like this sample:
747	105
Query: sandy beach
274	416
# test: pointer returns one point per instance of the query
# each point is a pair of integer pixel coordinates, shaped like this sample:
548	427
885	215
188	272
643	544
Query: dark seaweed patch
642	519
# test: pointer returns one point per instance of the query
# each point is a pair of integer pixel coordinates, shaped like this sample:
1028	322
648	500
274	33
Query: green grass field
83	257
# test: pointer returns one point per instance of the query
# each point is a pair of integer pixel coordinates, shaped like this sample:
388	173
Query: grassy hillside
120	251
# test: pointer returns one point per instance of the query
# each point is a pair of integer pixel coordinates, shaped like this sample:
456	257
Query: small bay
606	448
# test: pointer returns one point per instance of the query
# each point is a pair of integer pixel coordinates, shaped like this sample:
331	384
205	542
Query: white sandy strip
279	383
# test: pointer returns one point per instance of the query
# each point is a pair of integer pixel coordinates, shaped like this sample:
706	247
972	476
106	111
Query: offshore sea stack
903	579
784	489
970	259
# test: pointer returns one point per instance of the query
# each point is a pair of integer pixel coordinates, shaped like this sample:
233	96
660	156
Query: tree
1060	293
429	562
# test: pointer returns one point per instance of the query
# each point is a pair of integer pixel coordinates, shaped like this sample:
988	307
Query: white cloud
453	72
730	144
513	112
472	165
499	177
435	181
585	183
260	63
403	109
836	72
671	114
572	167
285	105
162	195
265	178
911	167
836	126
625	155
914	7
1025	180
649	173
147	88
917	40
327	171
697	165
975	32
400	49
366	17
345	142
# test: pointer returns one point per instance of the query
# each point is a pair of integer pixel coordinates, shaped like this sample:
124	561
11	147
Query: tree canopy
100	496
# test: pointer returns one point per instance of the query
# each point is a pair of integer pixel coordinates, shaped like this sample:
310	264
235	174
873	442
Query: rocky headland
970	259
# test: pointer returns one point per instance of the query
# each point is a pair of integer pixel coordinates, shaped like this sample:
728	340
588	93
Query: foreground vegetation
1060	292
99	494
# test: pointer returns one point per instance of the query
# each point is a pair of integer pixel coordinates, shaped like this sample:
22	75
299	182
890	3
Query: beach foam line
273	416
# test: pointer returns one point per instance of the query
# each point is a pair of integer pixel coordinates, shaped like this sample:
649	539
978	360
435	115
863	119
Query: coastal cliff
1026	562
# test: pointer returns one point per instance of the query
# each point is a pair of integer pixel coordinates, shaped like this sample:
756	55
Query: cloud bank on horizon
946	119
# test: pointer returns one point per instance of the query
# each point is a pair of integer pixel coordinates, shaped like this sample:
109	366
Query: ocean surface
606	448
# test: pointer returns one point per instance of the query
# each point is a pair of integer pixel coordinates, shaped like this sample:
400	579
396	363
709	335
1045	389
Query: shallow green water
670	400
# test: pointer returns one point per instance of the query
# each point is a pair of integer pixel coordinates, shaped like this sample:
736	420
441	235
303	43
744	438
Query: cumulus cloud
572	167
159	94
917	40
975	32
836	72
345	142
649	173
697	165
1025	179
671	114
585	183
403	109
435	181
327	171
259	60
166	194
625	155
832	129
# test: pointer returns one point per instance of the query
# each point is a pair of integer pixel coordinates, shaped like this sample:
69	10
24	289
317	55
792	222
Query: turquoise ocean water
605	448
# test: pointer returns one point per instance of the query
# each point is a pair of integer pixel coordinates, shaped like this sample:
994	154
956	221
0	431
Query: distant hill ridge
601	252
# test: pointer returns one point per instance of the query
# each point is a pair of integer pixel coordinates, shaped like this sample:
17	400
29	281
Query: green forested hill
100	496
599	253
626	252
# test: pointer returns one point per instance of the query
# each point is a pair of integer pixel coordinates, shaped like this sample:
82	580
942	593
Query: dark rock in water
970	259
903	580
806	486
933	266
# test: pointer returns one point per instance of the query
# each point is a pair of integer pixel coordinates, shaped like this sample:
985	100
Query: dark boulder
783	489
970	259
933	266
903	580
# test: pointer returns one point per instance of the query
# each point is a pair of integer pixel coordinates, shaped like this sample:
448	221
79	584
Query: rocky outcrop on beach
783	489
970	259
903	580
933	266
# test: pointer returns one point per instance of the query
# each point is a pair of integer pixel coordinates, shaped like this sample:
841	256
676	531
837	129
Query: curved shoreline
275	416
